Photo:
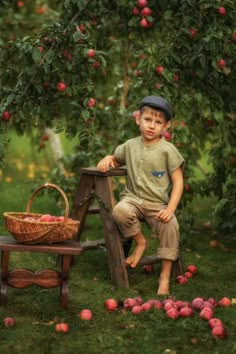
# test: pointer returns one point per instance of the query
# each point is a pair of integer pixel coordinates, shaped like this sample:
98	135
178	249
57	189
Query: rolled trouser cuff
171	254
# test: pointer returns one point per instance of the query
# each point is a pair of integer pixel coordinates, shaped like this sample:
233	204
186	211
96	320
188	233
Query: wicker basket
40	232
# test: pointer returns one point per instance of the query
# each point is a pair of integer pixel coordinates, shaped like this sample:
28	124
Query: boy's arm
107	162
177	190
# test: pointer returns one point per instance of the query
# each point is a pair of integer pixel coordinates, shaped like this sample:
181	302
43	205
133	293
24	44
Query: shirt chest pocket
158	174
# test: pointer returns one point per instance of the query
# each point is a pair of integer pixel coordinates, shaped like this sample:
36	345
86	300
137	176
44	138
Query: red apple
225	302
213	322
169	305
129	303
181	279
157	304
192	268
234	37
47	218
193	32
197	303
91	102
186	312
135	11
206	304
221	63
187	187
159	69
86	314
61	86
45	137
136	309
111	304
146	306
212	301
167	135
142	3
221	10
29	218
9	322
188	274
139	300
20	3
62	327
145	23
206	313
40	48
218	332
91	53
172	313
146	11
6	115
148	268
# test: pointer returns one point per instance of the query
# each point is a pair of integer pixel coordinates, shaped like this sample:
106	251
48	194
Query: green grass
37	310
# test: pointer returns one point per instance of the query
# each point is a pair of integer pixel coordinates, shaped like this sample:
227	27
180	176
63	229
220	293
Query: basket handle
48	185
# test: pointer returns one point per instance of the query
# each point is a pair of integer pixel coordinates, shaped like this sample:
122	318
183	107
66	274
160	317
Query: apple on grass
186	312
218	332
137	309
192	268
206	313
146	306
172	313
148	268
111	304
9	322
62	327
225	302
181	279
213	322
197	303
86	315
129	303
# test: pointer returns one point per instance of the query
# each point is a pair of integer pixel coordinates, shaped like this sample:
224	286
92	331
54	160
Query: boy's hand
165	215
105	164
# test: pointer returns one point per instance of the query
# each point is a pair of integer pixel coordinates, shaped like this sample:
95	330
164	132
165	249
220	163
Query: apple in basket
48	218
30	218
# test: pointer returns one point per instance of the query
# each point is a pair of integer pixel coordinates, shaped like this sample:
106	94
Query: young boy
154	186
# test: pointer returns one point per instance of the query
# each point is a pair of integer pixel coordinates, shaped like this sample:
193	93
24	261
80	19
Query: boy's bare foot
135	257
163	288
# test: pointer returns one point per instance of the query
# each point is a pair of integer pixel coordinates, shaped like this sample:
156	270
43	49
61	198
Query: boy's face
151	123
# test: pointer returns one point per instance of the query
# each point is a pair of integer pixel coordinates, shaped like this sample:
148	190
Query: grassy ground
37	310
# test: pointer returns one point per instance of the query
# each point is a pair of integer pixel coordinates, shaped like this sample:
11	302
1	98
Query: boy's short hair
157	102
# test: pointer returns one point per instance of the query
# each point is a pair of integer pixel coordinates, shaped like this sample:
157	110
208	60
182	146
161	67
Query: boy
154	186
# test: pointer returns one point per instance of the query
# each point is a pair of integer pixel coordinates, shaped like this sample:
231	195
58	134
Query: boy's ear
137	119
167	125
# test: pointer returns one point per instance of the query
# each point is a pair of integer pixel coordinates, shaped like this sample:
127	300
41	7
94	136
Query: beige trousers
127	214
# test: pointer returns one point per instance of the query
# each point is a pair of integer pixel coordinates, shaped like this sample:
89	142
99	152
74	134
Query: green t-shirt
149	169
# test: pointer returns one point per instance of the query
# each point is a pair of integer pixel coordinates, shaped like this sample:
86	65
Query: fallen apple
192	268
218	332
146	306
173	313
197	303
111	304
86	315
62	327
186	312
137	309
148	268
225	302
206	313
213	322
9	322
181	279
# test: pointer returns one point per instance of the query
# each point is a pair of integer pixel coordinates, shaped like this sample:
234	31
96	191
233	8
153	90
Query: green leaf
219	116
36	55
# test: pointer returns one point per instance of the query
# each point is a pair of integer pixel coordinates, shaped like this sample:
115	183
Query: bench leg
64	289
177	267
4	276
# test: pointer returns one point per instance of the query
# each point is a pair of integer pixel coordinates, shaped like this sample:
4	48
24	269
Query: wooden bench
94	184
47	278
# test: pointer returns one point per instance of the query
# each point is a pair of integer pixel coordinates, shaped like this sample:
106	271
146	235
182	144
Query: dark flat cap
159	103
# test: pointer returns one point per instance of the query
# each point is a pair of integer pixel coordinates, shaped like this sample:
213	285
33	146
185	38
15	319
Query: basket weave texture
40	232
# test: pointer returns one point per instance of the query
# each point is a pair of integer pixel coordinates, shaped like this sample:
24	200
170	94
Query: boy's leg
127	214
141	244
164	279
